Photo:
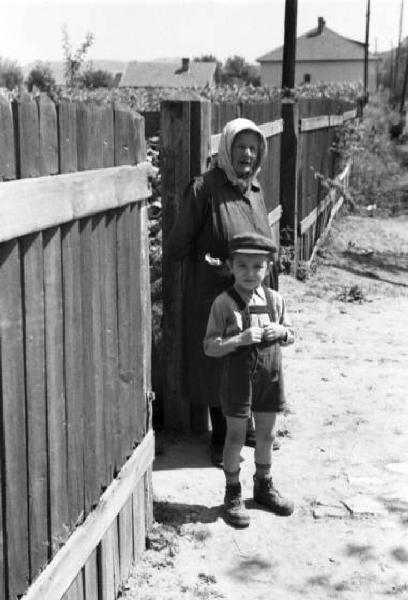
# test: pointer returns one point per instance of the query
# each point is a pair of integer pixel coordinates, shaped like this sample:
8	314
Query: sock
262	471
232	478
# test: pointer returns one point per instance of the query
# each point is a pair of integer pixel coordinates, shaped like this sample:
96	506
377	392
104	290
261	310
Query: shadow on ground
176	514
177	451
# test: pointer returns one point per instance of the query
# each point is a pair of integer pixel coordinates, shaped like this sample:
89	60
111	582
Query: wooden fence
311	127
300	136
76	439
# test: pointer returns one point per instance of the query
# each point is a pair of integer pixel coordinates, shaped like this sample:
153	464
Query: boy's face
249	270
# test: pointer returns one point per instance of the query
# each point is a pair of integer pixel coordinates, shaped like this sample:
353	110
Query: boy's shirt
225	318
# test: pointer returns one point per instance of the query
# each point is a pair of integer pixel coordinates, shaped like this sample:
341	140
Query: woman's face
244	153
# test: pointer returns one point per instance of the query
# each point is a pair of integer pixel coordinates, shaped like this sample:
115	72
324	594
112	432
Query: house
184	74
321	55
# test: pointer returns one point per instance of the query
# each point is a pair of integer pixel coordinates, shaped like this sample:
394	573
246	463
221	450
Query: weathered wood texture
74	344
39	137
318	123
185	149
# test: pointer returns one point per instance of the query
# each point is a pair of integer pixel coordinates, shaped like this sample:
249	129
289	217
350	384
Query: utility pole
404	88
395	81
377	75
391	72
289	45
289	143
367	35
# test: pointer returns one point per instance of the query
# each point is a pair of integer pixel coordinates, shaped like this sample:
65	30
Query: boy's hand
252	335
274	332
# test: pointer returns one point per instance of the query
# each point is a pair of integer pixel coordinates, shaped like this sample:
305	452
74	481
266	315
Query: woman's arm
189	221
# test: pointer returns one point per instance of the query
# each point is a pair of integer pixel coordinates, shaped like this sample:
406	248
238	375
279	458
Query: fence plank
125	525
272	128
125	337
67	136
139	519
34	205
311	123
14	418
143	284
181	127
28	137
91	364
89	137
124	141
61	571
91	577
108	136
350	114
31	248
138	293
176	174
7	155
109	564
110	359
3	529
76	590
48	136
73	344
54	360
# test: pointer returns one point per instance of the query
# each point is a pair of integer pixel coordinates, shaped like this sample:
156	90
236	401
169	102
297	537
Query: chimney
320	25
185	64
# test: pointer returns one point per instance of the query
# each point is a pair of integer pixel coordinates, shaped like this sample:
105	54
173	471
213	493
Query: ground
343	456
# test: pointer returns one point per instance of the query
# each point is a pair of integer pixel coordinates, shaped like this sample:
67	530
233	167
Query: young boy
246	328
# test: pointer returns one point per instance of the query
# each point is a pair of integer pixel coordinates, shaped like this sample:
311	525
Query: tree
97	79
73	60
211	58
40	76
235	69
11	74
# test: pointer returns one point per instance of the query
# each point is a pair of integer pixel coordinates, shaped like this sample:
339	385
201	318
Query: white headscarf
224	161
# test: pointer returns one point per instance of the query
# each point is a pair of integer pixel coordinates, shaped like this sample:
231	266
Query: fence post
185	147
289	168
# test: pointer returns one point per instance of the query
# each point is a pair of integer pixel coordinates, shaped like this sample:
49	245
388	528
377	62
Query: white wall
271	74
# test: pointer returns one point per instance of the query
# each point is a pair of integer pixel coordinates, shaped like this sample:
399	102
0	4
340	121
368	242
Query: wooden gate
76	438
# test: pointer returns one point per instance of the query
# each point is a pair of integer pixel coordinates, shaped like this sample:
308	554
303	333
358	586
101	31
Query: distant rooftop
185	74
320	43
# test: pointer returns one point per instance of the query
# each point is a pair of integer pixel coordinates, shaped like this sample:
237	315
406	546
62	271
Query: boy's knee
236	436
265	437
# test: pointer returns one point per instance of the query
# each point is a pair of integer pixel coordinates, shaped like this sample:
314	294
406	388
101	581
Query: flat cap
251	243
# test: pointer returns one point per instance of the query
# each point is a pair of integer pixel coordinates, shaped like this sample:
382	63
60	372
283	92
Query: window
306	78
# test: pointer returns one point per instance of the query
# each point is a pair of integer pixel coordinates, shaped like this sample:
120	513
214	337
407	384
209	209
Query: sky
146	30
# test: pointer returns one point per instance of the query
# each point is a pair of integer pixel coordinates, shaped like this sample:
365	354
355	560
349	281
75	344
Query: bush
11	74
97	79
367	144
41	77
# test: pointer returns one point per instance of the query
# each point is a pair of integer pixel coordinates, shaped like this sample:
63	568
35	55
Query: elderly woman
224	201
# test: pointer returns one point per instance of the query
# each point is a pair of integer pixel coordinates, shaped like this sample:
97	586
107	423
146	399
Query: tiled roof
327	45
168	74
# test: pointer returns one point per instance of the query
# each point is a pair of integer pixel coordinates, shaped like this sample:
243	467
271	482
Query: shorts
252	381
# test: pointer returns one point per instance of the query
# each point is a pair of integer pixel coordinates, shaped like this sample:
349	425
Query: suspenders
248	310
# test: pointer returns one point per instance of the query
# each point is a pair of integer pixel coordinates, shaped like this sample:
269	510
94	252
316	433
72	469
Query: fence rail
74	340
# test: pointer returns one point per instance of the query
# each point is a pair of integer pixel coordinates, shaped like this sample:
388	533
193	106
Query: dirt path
343	456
